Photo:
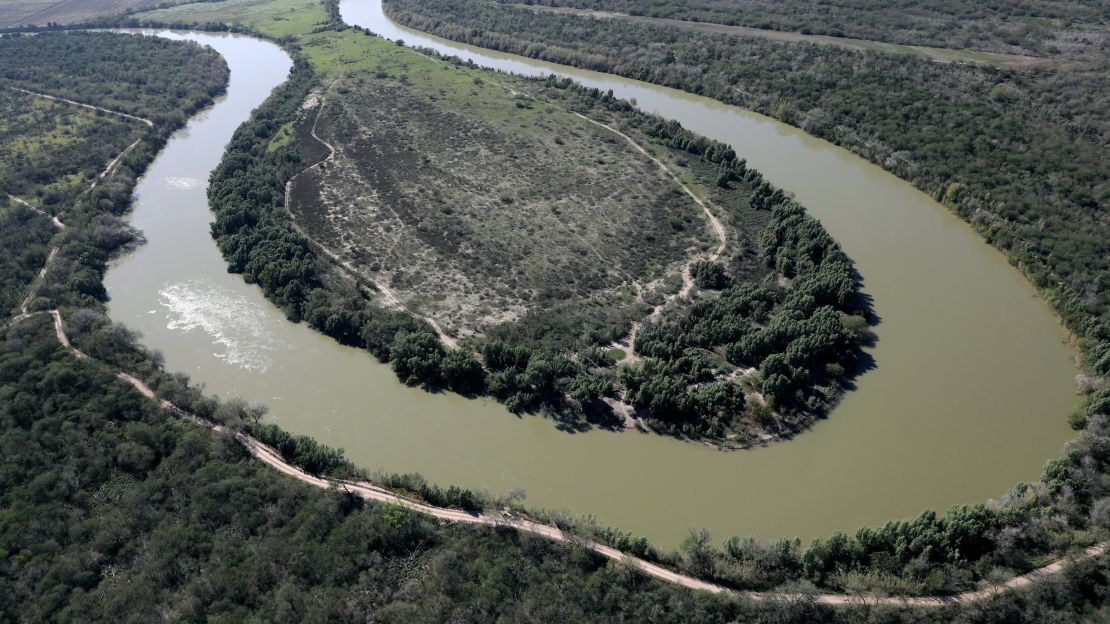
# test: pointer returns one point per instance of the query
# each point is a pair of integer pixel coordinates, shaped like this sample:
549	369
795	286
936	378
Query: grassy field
277	18
14	12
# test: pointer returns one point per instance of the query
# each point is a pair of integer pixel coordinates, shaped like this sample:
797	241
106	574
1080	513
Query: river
972	382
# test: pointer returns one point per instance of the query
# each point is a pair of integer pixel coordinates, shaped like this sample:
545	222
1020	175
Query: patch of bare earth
473	219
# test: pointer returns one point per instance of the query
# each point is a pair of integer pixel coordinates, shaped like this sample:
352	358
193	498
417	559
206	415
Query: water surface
973	376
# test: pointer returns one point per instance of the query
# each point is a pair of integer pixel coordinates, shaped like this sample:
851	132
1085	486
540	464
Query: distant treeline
1072	29
1021	155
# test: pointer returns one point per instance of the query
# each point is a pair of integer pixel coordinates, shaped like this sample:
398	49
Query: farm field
42	12
277	18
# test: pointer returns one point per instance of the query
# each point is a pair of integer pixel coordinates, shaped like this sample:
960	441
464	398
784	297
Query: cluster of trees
1018	153
416	486
303	451
800	337
26	234
1040	27
135	82
96	478
110	508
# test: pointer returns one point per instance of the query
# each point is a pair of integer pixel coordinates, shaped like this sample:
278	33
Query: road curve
503	518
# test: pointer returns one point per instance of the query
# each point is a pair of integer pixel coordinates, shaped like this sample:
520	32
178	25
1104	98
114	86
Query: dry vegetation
475	205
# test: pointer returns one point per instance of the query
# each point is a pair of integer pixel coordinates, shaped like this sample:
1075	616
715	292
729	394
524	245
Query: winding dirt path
502	518
687	277
57	223
391	298
112	166
718	227
149	123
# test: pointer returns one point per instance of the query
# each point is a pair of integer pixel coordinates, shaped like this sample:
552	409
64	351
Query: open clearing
274	17
455	194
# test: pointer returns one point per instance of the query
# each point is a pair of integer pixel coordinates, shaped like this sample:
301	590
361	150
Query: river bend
973	375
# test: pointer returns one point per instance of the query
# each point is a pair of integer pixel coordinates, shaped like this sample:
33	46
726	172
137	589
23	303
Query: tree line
111	508
1019	154
1072	29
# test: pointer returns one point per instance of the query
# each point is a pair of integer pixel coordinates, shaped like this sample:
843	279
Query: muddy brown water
973	376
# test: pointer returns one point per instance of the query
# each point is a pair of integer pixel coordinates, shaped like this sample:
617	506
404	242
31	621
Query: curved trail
112	166
369	491
57	223
687	278
391	297
718	228
149	123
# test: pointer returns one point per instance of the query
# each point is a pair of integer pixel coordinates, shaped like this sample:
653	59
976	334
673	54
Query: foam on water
183	184
234	322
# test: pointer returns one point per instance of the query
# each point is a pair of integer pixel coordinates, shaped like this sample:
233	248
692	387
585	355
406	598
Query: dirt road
148	122
372	492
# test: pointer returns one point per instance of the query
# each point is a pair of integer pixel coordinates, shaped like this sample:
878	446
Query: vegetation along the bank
432	275
1019	154
1070	29
176	523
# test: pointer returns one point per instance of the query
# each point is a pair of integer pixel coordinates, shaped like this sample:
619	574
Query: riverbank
896	417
